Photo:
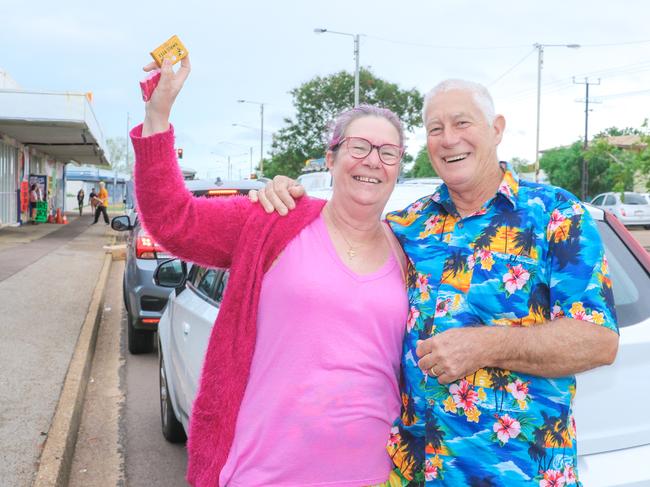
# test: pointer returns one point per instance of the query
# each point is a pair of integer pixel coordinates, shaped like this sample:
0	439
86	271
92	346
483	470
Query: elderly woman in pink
300	380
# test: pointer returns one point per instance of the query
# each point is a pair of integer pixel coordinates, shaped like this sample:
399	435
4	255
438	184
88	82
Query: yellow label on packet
172	49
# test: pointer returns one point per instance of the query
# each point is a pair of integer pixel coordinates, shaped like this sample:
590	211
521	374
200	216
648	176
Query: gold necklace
352	250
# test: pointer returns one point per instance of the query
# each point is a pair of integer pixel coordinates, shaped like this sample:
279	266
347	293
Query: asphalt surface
44	298
120	440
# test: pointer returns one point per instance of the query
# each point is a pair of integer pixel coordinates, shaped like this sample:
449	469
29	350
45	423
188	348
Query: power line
433	46
510	69
613	44
623	95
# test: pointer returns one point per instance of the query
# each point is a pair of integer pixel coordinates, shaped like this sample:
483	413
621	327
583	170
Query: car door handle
186	329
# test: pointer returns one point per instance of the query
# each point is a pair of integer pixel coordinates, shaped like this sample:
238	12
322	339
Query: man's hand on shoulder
278	195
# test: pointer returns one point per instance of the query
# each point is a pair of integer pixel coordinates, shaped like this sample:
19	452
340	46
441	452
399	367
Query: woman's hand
159	106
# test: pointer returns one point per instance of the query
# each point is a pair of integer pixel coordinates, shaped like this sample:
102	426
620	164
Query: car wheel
140	341
172	429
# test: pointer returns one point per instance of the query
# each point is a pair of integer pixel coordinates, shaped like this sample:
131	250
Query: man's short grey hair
480	93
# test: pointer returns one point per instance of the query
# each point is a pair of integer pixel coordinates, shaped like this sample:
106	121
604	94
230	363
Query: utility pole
585	168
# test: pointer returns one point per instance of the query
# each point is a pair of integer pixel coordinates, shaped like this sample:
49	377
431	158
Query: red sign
24	196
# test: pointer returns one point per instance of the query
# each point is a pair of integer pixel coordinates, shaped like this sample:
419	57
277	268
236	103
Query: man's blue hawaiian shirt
530	254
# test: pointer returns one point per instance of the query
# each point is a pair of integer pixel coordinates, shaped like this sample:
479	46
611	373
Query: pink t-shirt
323	388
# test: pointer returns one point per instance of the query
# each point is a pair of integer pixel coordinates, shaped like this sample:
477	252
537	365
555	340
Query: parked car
403	194
613	429
143	299
630	208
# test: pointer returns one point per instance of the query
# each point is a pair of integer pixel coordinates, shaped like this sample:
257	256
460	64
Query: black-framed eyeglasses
360	148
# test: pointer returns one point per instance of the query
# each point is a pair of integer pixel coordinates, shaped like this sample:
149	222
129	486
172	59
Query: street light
230	164
356	58
261	104
240	145
540	62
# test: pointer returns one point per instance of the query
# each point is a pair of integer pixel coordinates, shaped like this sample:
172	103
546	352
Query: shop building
40	134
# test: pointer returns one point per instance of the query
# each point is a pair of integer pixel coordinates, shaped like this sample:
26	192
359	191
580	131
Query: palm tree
526	240
539	300
434	434
485	237
411	450
536	450
454	264
567	251
499	379
508	218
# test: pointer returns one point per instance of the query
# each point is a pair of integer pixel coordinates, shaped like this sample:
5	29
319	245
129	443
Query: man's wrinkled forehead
464	105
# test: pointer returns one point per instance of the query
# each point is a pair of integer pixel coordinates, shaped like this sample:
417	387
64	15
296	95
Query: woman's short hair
341	123
480	93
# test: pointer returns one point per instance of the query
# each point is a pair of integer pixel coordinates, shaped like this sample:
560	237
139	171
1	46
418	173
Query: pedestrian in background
91	200
33	198
80	200
101	203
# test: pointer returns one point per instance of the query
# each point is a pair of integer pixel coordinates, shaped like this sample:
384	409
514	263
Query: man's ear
499	127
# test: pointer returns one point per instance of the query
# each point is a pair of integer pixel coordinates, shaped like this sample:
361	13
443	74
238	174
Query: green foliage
562	165
522	165
615	131
320	100
117	154
422	167
610	168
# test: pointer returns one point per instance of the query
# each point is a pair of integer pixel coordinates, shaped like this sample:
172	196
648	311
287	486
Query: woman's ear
329	159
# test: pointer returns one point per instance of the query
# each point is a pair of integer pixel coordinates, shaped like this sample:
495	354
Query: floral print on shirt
529	255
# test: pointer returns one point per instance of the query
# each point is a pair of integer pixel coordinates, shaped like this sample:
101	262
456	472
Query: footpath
52	280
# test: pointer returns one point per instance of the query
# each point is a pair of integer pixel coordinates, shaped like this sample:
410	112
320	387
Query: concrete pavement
48	274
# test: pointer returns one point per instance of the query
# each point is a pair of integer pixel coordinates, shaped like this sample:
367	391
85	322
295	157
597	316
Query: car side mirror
171	273
121	223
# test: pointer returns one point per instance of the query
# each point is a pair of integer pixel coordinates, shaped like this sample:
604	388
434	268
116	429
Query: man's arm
554	349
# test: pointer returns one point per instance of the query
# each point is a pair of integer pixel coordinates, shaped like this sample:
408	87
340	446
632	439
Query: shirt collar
508	188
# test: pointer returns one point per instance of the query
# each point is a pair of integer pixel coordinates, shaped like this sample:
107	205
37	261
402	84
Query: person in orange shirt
101	203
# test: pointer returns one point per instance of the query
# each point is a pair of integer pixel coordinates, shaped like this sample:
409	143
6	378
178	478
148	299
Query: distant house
635	144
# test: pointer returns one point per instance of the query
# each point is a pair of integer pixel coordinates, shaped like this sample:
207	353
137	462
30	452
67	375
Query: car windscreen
634	199
630	281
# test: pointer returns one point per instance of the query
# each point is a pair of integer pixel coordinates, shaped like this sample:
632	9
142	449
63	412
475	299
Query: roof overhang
62	125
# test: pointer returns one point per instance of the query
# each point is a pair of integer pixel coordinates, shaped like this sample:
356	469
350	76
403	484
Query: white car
611	403
631	208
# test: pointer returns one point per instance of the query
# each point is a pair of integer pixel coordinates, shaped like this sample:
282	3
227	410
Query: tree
522	165
610	168
422	167
318	101
117	154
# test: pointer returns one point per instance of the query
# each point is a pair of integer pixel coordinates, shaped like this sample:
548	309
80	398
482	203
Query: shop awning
62	125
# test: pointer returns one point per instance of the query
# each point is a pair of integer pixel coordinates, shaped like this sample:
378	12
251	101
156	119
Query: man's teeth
456	158
366	180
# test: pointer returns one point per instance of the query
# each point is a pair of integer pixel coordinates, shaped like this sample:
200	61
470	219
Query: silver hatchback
630	208
143	299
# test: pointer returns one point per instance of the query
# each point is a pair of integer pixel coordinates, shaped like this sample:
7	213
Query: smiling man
509	297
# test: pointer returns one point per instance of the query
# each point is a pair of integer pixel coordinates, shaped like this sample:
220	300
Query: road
120	442
643	236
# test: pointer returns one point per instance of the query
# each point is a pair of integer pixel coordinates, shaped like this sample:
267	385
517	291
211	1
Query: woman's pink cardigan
215	232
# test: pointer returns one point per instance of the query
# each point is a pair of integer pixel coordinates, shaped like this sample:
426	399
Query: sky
259	50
